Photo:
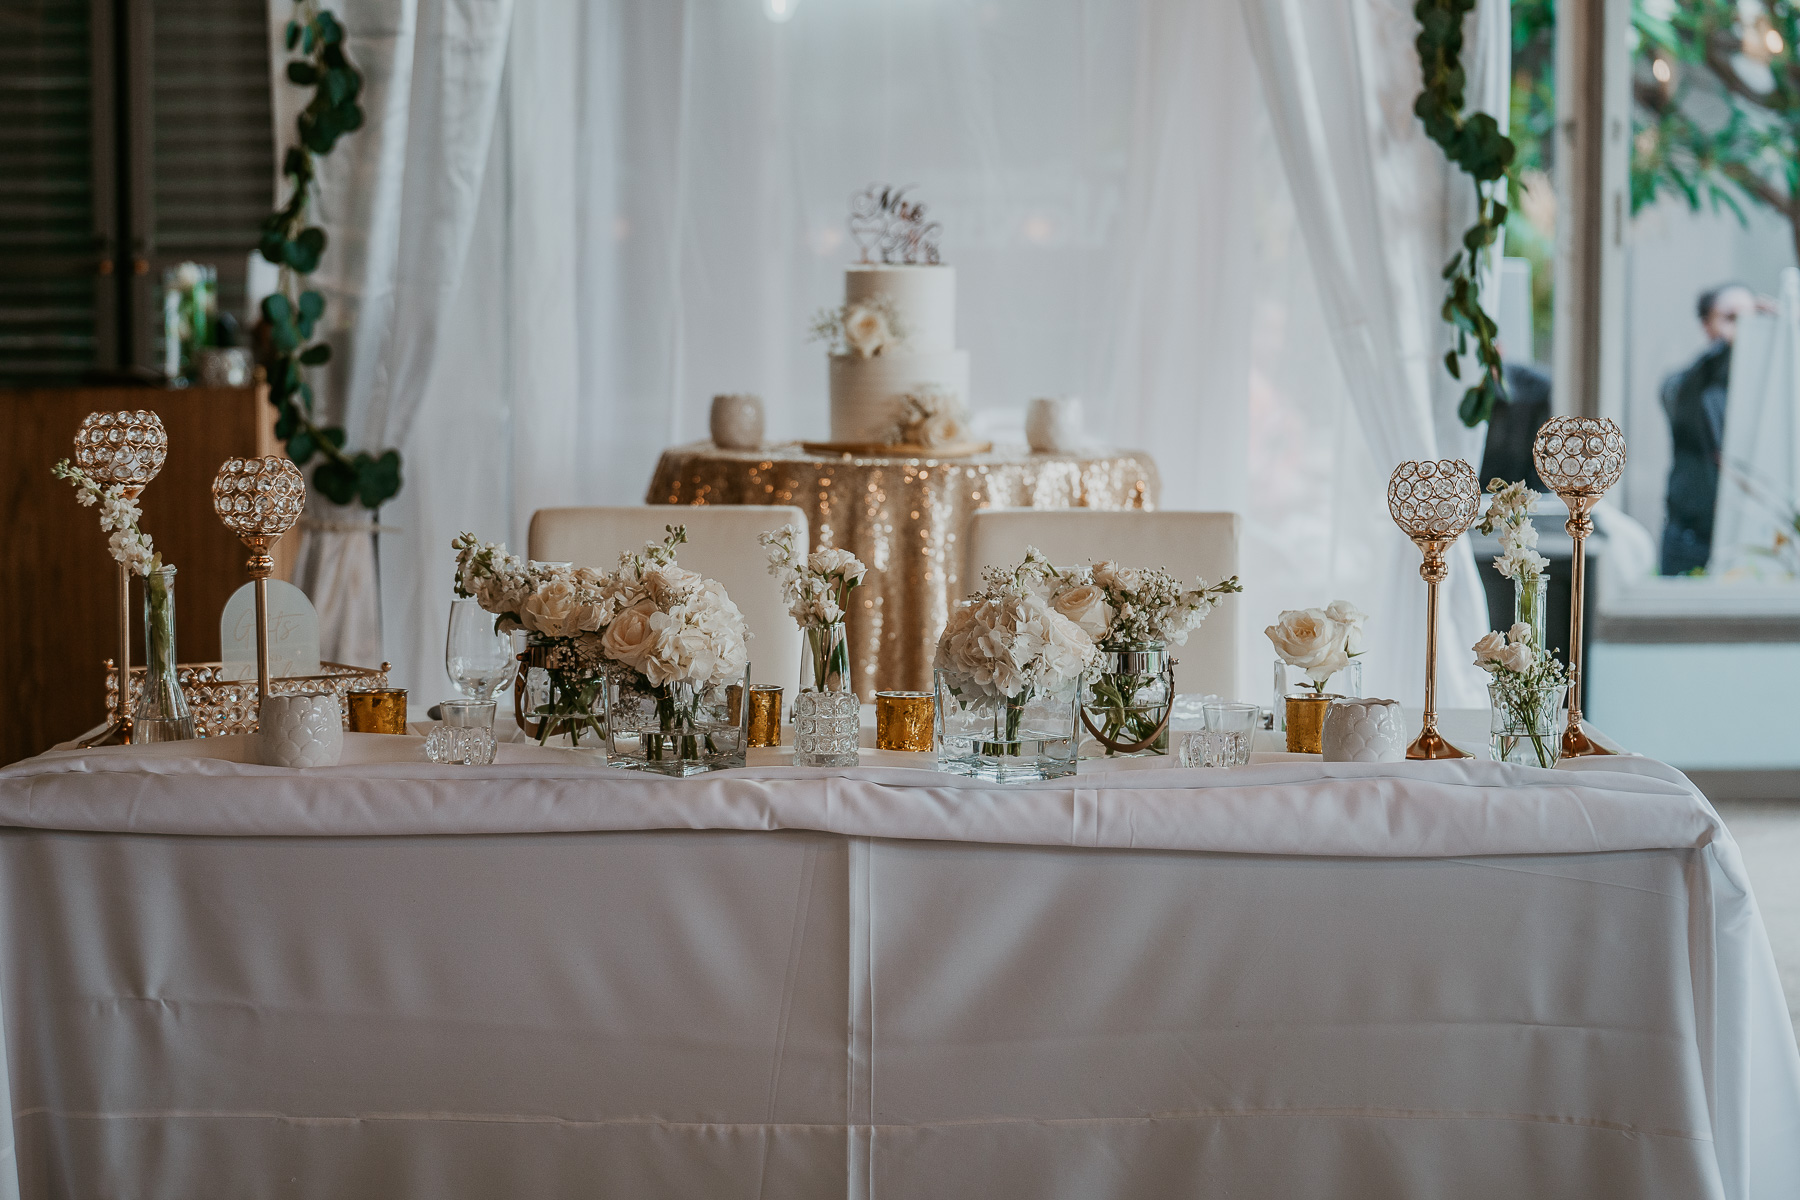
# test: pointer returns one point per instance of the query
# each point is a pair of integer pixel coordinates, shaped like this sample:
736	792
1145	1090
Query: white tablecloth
549	978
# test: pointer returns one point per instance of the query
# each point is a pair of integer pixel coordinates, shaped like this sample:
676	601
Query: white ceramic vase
737	422
1054	425
301	731
1363	731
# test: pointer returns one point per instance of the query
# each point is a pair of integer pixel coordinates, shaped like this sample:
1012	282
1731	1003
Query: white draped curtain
569	223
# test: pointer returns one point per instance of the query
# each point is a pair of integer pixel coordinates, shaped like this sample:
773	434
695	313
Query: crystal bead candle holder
826	728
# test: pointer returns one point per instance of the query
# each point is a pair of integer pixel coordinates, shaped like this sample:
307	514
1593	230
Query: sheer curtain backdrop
644	201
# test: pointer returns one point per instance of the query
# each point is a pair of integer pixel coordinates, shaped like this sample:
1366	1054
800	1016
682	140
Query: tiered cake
910	312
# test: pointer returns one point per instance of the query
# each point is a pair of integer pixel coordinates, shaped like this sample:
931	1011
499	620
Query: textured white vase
301	731
737	422
1054	425
1363	731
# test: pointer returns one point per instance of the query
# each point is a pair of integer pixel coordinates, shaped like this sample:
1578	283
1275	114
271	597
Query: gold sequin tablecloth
905	518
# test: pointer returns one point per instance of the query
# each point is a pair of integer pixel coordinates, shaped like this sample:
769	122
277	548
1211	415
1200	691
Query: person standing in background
1694	399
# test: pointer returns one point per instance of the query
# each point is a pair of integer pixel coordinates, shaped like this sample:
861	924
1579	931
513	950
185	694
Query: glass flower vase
1006	739
1526	724
160	713
1291	681
676	729
1530	603
1126	698
560	692
827	711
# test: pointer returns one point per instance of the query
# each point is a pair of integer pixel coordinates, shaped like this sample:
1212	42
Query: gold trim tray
222	705
898	449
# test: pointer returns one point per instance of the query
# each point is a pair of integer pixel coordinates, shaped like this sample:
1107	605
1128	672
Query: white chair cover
721	545
1187	543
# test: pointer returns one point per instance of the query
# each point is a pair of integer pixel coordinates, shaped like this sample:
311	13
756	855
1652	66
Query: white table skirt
549	978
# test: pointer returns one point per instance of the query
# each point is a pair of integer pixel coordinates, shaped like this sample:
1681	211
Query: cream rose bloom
940	429
1517	657
630	638
866	331
1086	606
1489	647
556	609
1305	637
1351	618
1520	632
670	585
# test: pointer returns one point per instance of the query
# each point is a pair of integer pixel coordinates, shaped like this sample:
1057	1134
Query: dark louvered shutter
56	179
212	163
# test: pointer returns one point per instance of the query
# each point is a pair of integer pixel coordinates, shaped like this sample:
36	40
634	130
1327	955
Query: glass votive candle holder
765	715
467	735
903	721
378	710
1228	738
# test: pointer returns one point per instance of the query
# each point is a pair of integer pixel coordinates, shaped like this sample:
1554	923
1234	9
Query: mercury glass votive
378	710
903	721
765	715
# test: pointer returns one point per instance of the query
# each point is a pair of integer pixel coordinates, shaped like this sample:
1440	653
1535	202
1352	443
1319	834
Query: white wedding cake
899	341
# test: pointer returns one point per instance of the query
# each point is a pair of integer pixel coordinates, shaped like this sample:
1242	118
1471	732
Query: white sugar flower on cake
931	417
862	329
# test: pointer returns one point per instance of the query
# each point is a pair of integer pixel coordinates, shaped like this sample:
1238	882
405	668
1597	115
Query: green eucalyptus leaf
315	356
336	480
301	447
302	73
293	34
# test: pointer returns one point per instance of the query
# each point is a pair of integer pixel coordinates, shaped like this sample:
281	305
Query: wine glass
480	661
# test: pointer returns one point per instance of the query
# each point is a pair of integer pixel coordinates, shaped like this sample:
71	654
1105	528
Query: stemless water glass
1228	738
479	660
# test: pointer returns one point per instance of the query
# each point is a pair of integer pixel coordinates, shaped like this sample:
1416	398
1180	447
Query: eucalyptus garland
1476	145
315	38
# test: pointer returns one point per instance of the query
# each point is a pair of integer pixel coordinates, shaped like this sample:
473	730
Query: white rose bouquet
817	587
1007	642
1527	685
650	617
1319	641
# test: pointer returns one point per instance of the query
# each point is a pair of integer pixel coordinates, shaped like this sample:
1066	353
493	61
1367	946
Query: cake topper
889	228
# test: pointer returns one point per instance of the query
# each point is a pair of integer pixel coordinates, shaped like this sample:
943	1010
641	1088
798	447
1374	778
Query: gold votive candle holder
1306	722
903	721
378	710
765	715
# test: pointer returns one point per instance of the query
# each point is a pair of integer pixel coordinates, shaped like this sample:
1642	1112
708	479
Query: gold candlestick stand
259	499
1433	503
124	450
1580	458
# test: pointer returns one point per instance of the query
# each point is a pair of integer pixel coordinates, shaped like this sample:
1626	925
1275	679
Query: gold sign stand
124	450
259	499
1433	503
1580	458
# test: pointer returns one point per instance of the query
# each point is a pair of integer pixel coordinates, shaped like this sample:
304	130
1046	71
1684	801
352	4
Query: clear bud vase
827	713
161	711
1530	602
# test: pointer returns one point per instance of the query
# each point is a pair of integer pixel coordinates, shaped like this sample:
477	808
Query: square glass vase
1017	739
678	729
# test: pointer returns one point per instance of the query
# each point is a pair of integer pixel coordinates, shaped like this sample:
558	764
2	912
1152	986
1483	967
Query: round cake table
905	518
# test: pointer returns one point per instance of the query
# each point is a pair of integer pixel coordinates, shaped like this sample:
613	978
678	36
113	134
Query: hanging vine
1476	145
315	38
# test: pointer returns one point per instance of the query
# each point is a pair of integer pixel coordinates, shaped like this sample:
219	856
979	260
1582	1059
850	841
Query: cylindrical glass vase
1527	724
161	711
1530	604
1126	697
827	712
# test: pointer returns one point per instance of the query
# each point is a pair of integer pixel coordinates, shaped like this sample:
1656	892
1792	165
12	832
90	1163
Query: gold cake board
898	449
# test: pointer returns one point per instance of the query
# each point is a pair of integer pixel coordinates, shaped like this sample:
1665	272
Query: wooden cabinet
57	594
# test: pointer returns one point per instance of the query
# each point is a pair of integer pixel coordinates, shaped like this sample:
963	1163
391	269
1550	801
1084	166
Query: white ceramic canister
305	730
1054	425
1363	731
737	422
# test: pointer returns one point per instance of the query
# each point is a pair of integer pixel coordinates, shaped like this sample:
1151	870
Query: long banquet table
550	978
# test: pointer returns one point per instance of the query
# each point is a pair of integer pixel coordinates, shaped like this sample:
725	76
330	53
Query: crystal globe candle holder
259	499
1433	503
126	450
1579	458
